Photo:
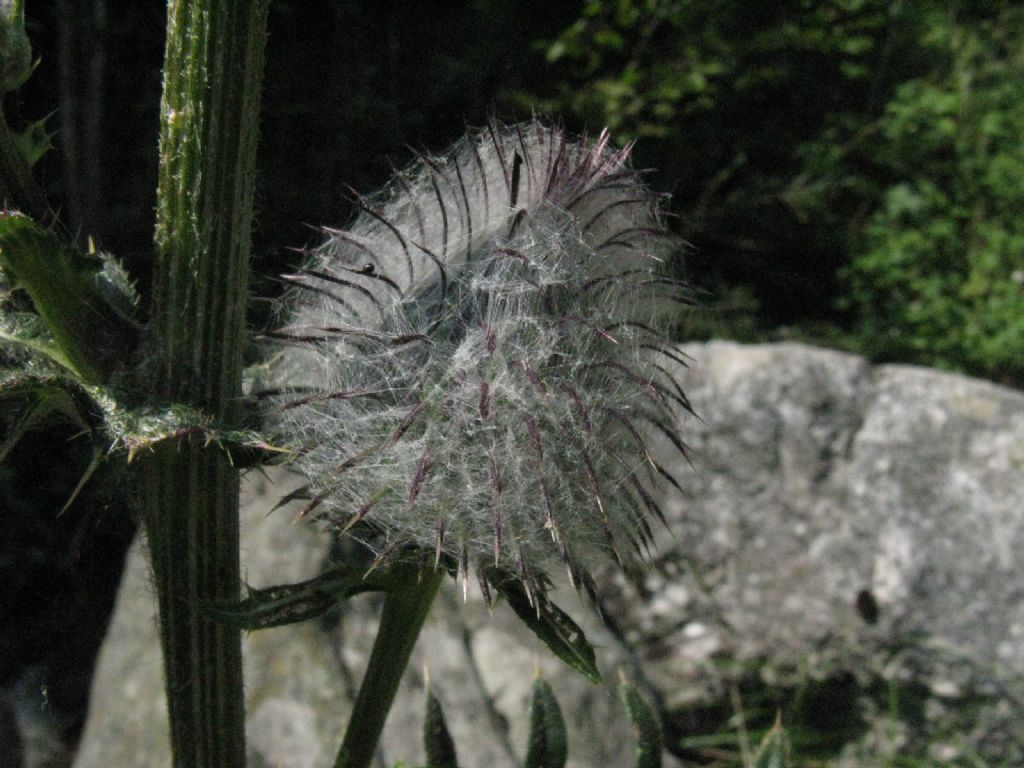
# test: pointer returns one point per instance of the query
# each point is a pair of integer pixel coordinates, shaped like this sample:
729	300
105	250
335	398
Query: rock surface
838	518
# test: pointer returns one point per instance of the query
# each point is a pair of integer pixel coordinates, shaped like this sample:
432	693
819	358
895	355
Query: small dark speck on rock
867	606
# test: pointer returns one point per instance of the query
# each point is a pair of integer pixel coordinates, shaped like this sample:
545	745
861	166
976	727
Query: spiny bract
474	366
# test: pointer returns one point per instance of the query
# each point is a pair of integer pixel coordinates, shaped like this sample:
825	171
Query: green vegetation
847	168
937	273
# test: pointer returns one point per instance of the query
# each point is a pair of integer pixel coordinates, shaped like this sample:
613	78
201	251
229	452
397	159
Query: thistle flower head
474	366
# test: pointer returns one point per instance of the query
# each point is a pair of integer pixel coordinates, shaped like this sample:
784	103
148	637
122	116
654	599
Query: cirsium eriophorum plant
477	361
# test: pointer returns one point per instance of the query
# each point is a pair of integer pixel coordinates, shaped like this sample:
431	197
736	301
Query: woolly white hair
473	365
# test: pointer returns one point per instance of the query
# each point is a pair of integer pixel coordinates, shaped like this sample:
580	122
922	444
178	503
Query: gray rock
822	489
823	492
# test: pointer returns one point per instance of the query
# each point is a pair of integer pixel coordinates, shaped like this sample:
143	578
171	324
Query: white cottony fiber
473	365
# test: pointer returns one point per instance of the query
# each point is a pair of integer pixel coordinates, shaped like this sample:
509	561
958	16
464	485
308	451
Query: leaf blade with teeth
292	603
548	744
650	742
548	622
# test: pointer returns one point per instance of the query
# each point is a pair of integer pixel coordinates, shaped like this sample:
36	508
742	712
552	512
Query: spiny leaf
46	401
66	291
291	603
548	622
774	749
47	348
140	430
548	746
437	741
28	334
34	140
648	728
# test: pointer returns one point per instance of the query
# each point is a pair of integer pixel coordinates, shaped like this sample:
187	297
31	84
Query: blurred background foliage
847	172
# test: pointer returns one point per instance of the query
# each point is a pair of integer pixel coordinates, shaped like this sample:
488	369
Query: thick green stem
208	129
192	526
405	609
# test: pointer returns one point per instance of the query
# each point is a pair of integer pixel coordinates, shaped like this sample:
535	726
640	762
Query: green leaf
34	141
548	622
68	294
437	741
548	745
25	334
40	346
774	749
46	398
648	728
292	603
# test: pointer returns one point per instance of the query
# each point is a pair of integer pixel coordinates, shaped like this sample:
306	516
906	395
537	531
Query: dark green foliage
880	194
437	741
548	622
822	717
548	741
830	718
650	742
938	274
548	745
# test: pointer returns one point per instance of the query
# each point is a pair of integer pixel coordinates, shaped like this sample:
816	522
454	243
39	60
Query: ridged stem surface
208	131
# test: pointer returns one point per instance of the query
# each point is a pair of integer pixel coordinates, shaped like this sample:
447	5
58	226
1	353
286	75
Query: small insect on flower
475	367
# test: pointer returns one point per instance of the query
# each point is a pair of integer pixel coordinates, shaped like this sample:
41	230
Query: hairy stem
208	130
192	526
405	609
